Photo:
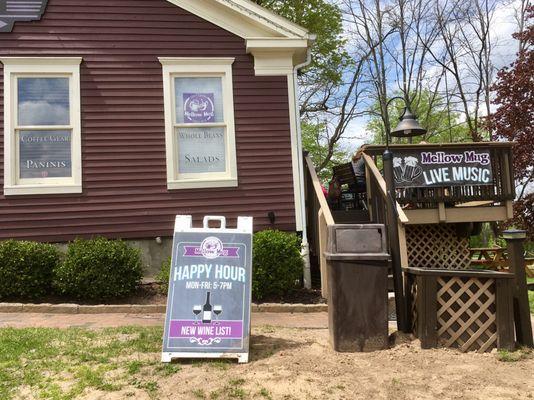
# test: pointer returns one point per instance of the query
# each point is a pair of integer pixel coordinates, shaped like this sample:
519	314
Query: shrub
277	263
98	269
26	268
163	275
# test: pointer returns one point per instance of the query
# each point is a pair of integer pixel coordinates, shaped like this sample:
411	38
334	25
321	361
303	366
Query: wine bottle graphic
206	310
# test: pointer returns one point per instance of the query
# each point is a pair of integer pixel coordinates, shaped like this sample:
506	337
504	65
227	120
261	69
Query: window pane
198	100
201	150
45	154
43	101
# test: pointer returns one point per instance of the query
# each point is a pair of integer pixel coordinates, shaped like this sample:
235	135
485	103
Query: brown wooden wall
123	143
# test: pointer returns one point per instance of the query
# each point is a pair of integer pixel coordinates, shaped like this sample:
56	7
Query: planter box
465	309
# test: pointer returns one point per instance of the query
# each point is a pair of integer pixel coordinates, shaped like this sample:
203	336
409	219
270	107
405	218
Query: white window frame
178	67
37	67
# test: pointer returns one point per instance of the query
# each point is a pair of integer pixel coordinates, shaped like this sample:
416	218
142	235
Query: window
42	144
199	120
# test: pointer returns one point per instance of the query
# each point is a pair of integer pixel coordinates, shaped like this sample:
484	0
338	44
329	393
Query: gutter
305	246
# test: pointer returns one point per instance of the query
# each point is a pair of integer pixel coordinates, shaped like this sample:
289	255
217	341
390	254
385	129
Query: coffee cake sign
442	168
12	11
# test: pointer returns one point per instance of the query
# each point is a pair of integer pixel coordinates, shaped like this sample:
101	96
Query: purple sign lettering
211	248
199	107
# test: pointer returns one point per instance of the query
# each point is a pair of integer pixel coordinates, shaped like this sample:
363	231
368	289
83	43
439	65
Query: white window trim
199	67
40	67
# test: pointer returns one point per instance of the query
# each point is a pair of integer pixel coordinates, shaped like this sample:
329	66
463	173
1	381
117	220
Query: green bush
26	268
98	269
163	275
277	263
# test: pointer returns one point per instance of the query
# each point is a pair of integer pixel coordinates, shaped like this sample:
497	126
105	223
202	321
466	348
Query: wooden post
394	246
408	283
323	242
427	311
523	326
505	314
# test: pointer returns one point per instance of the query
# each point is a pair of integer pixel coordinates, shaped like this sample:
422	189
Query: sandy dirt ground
292	363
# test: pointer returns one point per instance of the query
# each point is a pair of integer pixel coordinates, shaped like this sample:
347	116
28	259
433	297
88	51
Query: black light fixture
272	217
408	126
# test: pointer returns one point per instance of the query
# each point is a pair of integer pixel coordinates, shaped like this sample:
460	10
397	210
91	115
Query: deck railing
319	217
498	190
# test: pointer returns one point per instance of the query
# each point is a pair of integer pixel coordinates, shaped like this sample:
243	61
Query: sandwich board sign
210	282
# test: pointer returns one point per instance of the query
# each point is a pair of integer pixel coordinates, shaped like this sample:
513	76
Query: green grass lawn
61	363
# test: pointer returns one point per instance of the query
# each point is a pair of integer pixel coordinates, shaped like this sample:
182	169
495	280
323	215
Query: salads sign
208	306
442	168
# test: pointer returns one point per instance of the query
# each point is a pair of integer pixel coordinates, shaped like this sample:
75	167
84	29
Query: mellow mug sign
208	305
419	168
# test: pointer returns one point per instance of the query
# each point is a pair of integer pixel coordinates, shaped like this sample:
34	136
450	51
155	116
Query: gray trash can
358	287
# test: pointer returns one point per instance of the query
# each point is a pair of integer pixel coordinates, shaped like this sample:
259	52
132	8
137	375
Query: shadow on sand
262	346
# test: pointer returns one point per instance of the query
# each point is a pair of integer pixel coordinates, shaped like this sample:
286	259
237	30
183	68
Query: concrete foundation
153	252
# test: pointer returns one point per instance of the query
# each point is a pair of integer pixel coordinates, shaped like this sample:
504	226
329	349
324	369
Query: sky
502	28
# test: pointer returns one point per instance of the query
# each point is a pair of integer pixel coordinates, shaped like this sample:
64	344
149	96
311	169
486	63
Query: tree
315	142
513	120
329	58
442	125
330	87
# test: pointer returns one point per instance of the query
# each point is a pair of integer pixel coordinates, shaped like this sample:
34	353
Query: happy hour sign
416	168
208	308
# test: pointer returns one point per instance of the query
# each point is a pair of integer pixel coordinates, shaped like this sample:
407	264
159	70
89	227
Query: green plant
98	269
277	263
163	275
514	356
26	268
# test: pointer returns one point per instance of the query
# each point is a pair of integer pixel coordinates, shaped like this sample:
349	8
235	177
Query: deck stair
433	226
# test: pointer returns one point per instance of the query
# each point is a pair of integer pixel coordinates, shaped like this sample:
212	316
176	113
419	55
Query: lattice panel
467	313
436	246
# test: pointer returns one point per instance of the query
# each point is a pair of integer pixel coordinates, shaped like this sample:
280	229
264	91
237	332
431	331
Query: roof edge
244	18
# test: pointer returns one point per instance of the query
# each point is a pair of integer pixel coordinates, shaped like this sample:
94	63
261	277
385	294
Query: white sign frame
184	223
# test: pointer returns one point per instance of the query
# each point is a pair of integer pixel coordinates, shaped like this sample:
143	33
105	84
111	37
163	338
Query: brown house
120	114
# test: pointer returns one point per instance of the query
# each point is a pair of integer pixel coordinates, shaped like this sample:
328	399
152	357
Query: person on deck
358	165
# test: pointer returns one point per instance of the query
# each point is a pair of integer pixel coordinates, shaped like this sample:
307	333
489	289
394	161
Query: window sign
45	154
199	122
42	136
43	101
201	150
199	107
198	100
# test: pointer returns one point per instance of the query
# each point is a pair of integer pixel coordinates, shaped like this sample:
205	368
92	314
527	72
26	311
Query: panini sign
414	168
208	306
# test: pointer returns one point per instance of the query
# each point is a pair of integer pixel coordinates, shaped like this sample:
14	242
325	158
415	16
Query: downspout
305	246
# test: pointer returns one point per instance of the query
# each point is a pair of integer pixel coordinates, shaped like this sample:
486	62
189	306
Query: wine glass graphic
197	310
217	310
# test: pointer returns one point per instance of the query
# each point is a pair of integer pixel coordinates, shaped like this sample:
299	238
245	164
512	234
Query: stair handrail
381	184
319	192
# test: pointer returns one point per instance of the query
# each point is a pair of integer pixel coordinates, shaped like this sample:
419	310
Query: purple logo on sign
211	248
199	107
